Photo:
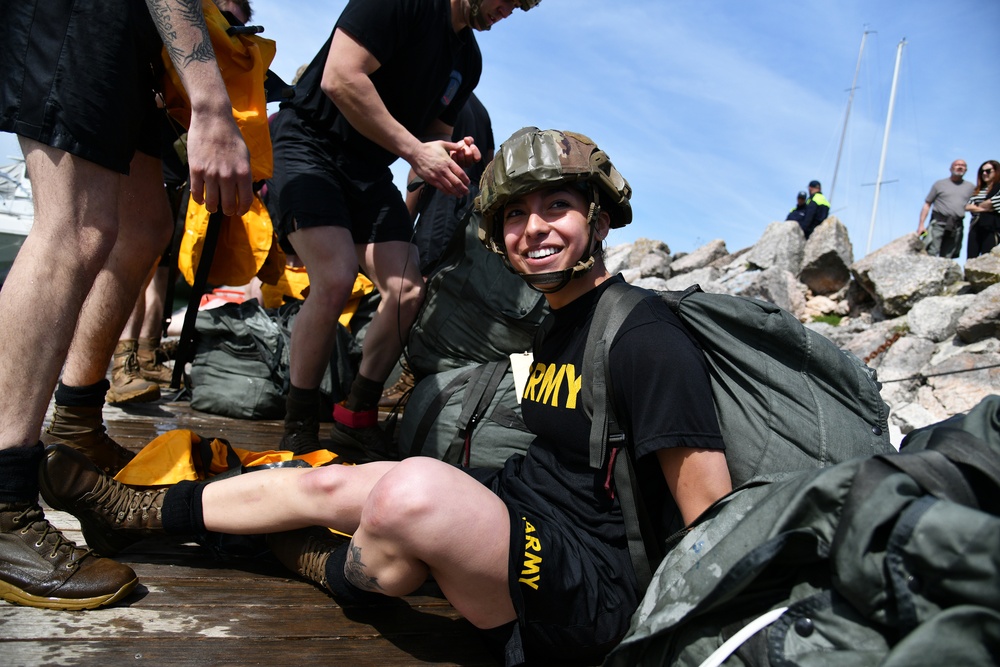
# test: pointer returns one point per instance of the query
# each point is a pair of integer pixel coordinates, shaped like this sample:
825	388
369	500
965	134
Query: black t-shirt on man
427	72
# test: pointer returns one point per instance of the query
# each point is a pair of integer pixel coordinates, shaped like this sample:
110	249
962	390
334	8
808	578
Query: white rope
729	647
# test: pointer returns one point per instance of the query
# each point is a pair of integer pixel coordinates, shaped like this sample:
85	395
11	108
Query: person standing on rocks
984	204
798	214
946	204
817	209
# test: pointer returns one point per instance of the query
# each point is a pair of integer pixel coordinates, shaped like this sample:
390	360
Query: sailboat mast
850	101
885	143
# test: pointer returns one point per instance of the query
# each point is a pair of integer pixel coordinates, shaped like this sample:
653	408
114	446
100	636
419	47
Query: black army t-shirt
662	389
426	72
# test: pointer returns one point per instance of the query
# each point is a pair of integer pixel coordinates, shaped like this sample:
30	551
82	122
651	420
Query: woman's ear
603	226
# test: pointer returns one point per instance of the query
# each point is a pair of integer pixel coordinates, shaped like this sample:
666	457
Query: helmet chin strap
549	283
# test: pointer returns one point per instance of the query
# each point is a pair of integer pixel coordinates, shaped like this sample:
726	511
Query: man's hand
440	164
467	153
219	163
218	158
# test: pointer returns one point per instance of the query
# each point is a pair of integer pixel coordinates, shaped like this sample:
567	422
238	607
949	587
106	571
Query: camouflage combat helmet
532	159
525	5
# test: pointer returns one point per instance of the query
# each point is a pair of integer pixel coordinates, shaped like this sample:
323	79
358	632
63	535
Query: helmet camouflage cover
532	159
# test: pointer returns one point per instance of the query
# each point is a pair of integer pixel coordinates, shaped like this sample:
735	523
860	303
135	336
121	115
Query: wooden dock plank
192	609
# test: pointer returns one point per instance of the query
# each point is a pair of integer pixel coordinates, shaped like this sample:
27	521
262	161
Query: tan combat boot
396	396
82	428
151	362
112	515
127	385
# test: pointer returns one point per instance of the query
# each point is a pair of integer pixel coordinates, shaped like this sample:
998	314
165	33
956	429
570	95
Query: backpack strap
434	409
614	307
478	395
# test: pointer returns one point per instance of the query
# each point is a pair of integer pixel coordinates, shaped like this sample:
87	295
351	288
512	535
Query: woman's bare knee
338	493
406	500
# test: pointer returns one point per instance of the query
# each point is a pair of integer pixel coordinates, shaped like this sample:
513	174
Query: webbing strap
635	521
434	409
938	470
206	454
612	310
482	386
614	307
479	393
185	348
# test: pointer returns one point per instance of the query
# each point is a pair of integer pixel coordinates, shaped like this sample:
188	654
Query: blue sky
719	112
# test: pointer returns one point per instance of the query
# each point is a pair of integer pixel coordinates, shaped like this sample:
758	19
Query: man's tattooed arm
169	15
354	572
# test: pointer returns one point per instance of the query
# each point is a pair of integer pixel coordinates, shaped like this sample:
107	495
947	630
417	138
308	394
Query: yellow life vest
243	61
246	245
179	455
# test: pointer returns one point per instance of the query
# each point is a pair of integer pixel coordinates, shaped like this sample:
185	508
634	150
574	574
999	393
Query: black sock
182	509
365	394
301	404
91	396
19	473
344	592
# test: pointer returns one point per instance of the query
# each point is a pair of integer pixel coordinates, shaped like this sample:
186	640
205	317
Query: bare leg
394	268
425	517
286	499
144	231
137	319
409	519
328	254
154	296
75	227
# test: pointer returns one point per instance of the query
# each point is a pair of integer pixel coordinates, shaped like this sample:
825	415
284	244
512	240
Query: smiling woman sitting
534	553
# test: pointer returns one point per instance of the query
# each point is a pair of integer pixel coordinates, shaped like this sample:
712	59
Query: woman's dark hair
994	177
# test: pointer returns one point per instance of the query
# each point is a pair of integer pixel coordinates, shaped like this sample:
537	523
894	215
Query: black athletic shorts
308	189
574	595
78	75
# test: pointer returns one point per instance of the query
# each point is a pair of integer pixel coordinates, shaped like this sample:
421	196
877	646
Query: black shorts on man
105	111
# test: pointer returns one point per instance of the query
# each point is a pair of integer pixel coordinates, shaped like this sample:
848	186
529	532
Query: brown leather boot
306	551
112	515
396	396
127	385
82	428
151	362
39	567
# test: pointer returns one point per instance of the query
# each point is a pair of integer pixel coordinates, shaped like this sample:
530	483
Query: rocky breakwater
930	328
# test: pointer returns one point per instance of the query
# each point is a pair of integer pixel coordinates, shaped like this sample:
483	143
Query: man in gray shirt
948	197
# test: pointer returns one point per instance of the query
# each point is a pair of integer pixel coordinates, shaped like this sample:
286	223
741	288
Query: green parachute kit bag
889	560
475	310
787	398
468	416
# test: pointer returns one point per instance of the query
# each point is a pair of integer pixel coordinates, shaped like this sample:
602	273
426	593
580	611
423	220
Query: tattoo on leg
354	572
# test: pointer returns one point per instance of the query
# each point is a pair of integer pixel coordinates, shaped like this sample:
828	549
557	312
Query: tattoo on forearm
188	12
354	572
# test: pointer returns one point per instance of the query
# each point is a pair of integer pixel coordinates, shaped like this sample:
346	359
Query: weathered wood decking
190	609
